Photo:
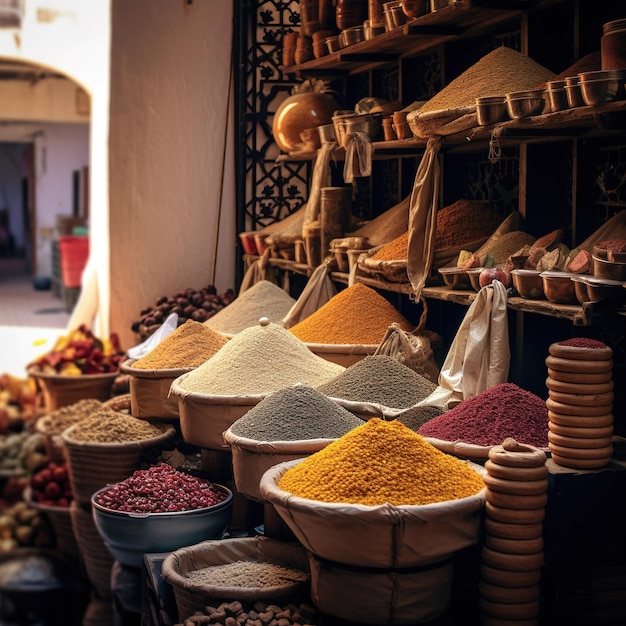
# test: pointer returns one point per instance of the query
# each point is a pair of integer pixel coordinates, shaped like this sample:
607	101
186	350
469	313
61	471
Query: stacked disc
512	555
580	403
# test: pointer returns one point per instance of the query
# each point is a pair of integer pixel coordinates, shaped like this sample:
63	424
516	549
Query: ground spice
491	416
380	379
396	250
583	342
108	426
263	299
499	72
505	245
55	422
189	345
415	416
464	221
294	414
381	462
260	360
246	574
356	315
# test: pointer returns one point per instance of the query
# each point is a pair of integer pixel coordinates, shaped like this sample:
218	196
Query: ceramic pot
298	113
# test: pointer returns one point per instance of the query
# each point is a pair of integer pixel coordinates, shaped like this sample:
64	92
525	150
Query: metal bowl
602	90
490	110
128	536
521	104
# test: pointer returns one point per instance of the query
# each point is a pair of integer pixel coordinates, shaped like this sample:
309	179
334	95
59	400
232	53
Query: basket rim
209	398
126	367
168	431
32	371
278	446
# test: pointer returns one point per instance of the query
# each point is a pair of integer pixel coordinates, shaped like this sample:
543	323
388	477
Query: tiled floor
30	320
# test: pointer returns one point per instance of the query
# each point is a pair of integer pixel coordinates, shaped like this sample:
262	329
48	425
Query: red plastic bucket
74	252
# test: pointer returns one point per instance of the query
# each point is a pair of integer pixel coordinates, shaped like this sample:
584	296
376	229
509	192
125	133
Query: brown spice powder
190	345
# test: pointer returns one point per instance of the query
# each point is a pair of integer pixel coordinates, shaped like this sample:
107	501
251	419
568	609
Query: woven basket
94	465
251	458
150	391
193	596
61	390
96	556
205	417
424	125
61	522
391	271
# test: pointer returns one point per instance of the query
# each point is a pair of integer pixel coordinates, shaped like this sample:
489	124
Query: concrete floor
30	320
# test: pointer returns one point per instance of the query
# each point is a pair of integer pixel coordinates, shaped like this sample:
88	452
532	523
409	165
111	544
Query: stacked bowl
580	403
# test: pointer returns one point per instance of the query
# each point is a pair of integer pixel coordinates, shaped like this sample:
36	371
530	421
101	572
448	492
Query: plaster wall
172	209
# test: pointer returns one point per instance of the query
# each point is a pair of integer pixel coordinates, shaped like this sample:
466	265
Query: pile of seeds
381	462
189	345
263	299
259	360
491	416
55	422
380	379
294	414
108	426
356	315
499	72
246	575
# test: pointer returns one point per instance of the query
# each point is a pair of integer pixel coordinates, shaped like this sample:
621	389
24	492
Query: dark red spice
583	342
491	416
160	489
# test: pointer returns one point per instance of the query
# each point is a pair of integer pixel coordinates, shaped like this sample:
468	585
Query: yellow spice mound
381	462
356	315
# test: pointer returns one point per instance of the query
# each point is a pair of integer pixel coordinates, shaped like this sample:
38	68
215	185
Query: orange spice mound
356	315
395	250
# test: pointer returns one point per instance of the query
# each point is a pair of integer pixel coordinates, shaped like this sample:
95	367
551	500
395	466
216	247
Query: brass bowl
521	104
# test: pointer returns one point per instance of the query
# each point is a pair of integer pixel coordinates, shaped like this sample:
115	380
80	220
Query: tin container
613	45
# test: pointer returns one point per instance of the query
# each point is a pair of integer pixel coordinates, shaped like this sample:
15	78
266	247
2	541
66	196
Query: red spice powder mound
491	416
583	342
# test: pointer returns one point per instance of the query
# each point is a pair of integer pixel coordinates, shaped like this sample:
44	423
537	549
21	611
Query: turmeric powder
189	345
395	250
356	315
381	462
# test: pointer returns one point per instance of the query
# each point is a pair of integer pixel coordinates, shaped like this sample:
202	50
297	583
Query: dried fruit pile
51	486
195	304
80	352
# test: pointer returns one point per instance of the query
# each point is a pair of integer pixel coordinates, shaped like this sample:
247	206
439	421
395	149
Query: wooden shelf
464	18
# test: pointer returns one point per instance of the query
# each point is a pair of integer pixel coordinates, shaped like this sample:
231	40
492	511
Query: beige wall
157	72
170	68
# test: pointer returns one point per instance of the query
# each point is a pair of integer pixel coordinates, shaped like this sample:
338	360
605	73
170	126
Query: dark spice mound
583	342
379	379
415	416
491	416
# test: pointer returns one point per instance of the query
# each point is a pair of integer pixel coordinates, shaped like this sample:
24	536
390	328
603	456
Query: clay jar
349	13
299	112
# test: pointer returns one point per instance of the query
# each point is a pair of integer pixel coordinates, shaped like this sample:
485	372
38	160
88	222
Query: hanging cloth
358	156
480	356
318	290
423	217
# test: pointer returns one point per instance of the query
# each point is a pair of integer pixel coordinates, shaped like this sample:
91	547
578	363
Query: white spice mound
263	299
247	575
499	72
260	360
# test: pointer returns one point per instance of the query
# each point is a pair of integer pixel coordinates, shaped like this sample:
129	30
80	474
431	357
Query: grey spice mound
379	379
295	413
263	299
